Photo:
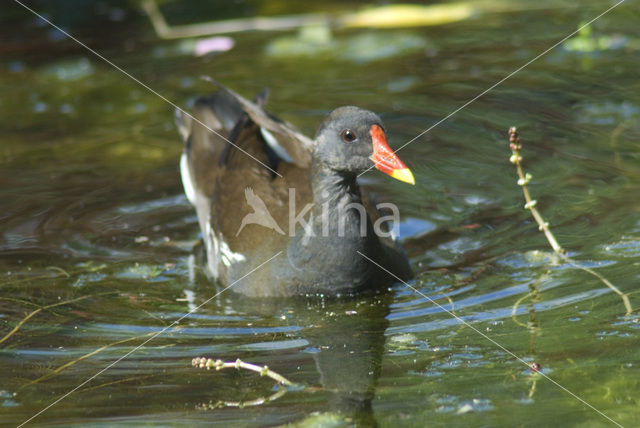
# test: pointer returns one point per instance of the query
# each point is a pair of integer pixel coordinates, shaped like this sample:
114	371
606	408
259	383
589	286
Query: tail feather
221	109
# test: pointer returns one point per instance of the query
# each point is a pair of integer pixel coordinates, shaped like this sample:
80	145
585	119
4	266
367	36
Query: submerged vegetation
98	247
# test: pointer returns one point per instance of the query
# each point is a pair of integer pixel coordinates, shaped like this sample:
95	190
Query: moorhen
261	189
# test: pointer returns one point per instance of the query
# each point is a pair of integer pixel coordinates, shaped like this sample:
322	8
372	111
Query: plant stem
209	363
523	181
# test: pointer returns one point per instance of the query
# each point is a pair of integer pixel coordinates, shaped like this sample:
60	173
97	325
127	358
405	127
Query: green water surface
91	207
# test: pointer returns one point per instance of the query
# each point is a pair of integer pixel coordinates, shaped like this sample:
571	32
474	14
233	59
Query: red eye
348	136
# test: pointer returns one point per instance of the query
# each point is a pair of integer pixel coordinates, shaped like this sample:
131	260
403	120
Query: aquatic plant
523	181
209	363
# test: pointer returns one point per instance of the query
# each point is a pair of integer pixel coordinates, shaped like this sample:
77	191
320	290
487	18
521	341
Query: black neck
331	188
338	209
339	228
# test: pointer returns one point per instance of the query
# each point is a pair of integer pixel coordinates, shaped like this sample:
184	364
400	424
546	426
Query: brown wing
297	145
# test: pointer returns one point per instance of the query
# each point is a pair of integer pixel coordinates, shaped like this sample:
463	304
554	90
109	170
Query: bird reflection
344	337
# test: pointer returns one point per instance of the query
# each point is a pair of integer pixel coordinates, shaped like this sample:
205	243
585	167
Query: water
92	207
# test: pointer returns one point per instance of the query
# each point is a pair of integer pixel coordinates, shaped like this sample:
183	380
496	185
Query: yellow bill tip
403	174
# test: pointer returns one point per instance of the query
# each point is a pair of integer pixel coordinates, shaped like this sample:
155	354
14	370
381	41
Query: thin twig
605	281
35	312
84	357
119	381
523	181
209	363
20	324
165	31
